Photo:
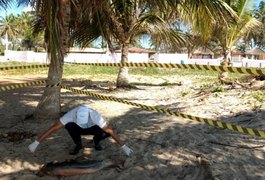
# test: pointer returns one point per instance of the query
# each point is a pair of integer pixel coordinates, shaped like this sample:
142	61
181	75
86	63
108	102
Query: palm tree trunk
226	62
49	105
123	76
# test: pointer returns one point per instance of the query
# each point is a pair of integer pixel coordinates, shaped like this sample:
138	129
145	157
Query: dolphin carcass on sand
76	167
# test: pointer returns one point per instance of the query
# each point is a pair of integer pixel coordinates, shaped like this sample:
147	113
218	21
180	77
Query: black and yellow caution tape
24	67
22	85
242	70
211	122
53	85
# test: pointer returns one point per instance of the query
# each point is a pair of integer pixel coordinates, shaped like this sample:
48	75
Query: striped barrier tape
53	85
24	67
211	122
254	71
22	85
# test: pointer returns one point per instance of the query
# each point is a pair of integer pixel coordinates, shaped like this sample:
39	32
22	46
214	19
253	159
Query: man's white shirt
94	118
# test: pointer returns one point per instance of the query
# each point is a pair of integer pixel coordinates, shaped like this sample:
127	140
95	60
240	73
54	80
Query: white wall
29	56
26	56
253	63
104	58
137	57
212	62
172	58
2	59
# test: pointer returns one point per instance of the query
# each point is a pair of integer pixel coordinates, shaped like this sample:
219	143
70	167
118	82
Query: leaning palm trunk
49	105
123	76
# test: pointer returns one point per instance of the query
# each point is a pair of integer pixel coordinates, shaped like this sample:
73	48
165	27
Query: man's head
82	115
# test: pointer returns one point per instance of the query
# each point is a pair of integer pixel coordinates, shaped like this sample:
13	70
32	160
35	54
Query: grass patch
259	96
37	71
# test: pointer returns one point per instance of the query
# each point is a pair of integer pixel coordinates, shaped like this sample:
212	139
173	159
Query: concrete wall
212	62
26	56
104	58
32	57
2	59
171	58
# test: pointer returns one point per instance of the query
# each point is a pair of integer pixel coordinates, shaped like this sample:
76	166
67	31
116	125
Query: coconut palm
228	36
123	20
57	18
8	27
258	35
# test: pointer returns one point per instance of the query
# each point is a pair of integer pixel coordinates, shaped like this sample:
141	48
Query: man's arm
55	127
123	146
112	133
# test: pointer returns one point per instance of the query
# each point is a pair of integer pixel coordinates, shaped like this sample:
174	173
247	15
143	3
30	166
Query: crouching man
82	120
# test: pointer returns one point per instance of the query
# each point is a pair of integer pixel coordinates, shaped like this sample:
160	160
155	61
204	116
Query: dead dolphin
76	167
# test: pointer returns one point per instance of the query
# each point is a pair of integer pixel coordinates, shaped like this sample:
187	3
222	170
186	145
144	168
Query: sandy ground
165	147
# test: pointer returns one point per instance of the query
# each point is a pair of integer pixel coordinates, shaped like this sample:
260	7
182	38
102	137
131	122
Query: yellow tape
211	122
24	67
255	71
22	85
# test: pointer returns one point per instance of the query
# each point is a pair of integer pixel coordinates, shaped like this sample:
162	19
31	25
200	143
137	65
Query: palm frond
4	4
204	14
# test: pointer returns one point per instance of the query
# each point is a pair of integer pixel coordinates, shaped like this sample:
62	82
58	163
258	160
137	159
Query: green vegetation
259	96
212	87
184	93
17	72
19	32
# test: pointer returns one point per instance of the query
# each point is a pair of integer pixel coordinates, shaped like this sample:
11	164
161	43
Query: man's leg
99	135
75	132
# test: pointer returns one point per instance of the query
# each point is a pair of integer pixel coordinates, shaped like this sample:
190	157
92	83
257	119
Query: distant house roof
237	52
139	50
202	50
255	51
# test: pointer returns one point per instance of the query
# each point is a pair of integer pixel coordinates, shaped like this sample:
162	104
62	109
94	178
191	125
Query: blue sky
14	10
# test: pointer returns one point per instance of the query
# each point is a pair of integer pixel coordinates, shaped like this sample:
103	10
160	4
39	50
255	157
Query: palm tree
258	35
55	21
57	18
228	36
28	39
8	28
124	20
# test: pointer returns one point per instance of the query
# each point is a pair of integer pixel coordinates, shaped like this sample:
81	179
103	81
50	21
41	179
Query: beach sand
165	147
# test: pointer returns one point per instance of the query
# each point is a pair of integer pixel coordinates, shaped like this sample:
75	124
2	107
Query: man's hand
33	146
126	150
